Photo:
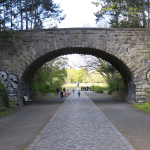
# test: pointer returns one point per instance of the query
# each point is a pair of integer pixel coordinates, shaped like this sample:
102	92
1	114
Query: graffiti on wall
11	82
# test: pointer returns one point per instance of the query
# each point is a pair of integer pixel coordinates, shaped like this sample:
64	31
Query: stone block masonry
127	50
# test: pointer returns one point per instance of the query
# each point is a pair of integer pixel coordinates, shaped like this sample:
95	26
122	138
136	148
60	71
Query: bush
98	89
2	88
5	99
115	84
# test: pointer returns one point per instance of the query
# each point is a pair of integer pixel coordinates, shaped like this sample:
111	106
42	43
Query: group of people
63	92
85	88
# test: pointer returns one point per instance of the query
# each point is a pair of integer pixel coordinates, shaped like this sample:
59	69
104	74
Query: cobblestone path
79	125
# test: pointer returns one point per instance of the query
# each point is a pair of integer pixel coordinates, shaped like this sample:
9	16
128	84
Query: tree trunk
11	14
35	16
26	16
4	14
21	14
31	14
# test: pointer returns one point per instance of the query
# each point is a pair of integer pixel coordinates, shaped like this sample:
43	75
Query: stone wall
127	49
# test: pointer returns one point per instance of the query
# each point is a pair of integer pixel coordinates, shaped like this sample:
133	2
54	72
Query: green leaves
50	76
2	88
123	14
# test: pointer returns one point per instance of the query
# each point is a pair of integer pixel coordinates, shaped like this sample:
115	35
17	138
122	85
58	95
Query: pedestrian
57	90
61	94
78	93
64	89
73	91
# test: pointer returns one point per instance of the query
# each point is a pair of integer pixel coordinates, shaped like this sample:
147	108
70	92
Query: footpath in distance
80	125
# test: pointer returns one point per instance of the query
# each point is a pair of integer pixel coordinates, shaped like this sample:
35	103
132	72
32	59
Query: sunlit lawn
145	107
71	86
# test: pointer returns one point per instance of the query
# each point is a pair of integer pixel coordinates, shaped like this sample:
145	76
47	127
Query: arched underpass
118	64
126	49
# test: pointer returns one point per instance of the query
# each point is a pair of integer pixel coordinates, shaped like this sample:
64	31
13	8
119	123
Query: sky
79	13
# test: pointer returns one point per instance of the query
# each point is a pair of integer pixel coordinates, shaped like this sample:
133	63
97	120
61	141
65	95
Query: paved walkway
79	125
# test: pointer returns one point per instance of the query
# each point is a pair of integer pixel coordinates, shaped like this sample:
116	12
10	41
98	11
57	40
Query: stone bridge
24	52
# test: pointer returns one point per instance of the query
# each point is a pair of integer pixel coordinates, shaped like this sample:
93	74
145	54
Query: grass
145	107
71	86
5	111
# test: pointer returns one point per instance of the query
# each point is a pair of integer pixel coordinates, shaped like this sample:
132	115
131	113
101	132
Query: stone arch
126	49
35	65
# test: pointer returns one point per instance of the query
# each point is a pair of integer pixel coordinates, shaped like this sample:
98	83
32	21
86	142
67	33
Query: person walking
61	94
57	90
78	93
73	91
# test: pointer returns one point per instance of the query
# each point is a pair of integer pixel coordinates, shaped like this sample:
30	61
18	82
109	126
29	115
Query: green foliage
79	76
4	95
148	95
145	107
50	76
98	89
16	14
124	14
71	75
115	83
2	88
4	111
83	75
5	99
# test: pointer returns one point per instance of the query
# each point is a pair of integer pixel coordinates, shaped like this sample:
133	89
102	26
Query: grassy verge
5	111
145	107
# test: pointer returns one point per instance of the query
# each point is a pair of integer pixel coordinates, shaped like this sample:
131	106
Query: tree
16	14
50	76
79	76
112	77
71	75
128	13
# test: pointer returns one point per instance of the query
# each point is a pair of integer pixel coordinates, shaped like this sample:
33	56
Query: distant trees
83	75
105	70
124	14
25	14
50	76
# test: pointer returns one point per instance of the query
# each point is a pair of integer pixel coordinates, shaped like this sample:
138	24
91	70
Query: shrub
115	84
98	89
5	99
2	88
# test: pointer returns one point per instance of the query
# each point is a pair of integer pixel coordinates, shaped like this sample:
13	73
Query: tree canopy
50	76
124	14
25	14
